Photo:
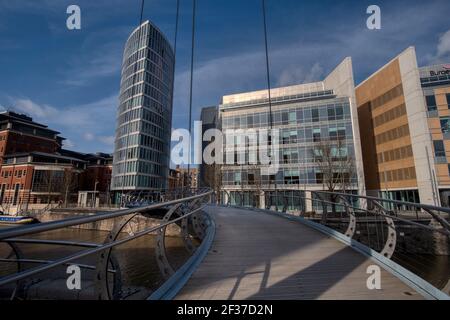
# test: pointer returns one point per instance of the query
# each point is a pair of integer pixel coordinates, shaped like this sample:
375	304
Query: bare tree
48	182
255	170
69	183
337	167
216	173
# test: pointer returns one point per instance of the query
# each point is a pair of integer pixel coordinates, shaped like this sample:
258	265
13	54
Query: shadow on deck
260	256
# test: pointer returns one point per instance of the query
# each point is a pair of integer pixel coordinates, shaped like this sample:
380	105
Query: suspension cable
175	41
194	2
269	89
176	30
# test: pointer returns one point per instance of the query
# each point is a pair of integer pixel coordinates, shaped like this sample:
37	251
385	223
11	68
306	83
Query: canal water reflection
136	258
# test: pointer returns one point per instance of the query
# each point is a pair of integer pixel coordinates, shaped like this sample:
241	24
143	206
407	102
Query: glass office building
144	120
305	116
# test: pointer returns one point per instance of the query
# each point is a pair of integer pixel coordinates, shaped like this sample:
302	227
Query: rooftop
22	118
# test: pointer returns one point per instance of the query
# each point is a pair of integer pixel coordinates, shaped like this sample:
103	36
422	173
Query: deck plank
258	256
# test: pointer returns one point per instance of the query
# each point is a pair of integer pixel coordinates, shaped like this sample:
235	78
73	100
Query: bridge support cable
194	5
269	93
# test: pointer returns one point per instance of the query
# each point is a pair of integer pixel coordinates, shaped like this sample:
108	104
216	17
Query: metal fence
183	213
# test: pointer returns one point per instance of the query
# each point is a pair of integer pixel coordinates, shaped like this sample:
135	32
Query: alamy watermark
73	22
374	21
232	147
374	280
74	280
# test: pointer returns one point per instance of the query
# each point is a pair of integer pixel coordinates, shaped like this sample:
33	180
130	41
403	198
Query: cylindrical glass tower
144	118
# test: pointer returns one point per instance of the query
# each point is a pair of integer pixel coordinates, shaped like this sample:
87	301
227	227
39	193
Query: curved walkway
260	256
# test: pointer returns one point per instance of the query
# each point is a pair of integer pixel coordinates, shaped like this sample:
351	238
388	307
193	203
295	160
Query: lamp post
95	194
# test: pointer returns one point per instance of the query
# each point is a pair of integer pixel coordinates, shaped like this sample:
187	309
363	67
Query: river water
136	258
139	267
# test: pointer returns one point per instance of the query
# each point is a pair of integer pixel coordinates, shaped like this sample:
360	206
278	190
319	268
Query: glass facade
144	120
302	126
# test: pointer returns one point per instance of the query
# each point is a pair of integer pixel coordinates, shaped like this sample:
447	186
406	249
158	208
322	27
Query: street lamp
95	193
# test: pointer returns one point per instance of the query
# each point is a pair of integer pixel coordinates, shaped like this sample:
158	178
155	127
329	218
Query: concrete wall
105	225
342	82
418	127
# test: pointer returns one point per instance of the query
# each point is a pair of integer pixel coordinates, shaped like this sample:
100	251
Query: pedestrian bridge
343	251
257	255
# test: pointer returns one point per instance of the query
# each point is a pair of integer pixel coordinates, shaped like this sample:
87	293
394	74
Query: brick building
19	133
35	172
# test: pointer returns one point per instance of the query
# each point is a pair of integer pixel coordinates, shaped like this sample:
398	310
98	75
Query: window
237	178
316	135
439	149
251	179
339	113
331	114
448	99
431	103
250	121
292	117
315	115
333	133
284	118
445	125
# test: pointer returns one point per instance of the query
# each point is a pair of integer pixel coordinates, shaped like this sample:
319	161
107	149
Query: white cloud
441	53
39	111
108	140
443	48
88	136
296	74
68	144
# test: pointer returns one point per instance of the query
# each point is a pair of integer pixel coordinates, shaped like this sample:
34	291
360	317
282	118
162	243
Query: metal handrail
29	272
10	236
373	229
403	203
54	225
445	232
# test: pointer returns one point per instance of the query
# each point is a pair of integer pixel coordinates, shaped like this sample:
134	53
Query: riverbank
138	223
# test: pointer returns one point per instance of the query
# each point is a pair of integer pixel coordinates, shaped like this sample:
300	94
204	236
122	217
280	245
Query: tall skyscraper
144	118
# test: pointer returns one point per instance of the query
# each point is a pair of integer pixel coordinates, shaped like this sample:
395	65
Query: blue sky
70	79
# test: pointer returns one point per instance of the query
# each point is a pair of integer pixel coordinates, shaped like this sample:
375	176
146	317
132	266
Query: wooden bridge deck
262	256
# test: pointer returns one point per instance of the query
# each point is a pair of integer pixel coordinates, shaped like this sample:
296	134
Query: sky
69	79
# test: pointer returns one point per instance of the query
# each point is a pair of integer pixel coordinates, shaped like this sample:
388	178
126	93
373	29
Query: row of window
17	173
308	135
393	134
390	115
284	177
398	175
145	65
388	96
146	77
128	128
141	101
296	155
130	153
288	117
145	53
431	102
138	181
395	154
